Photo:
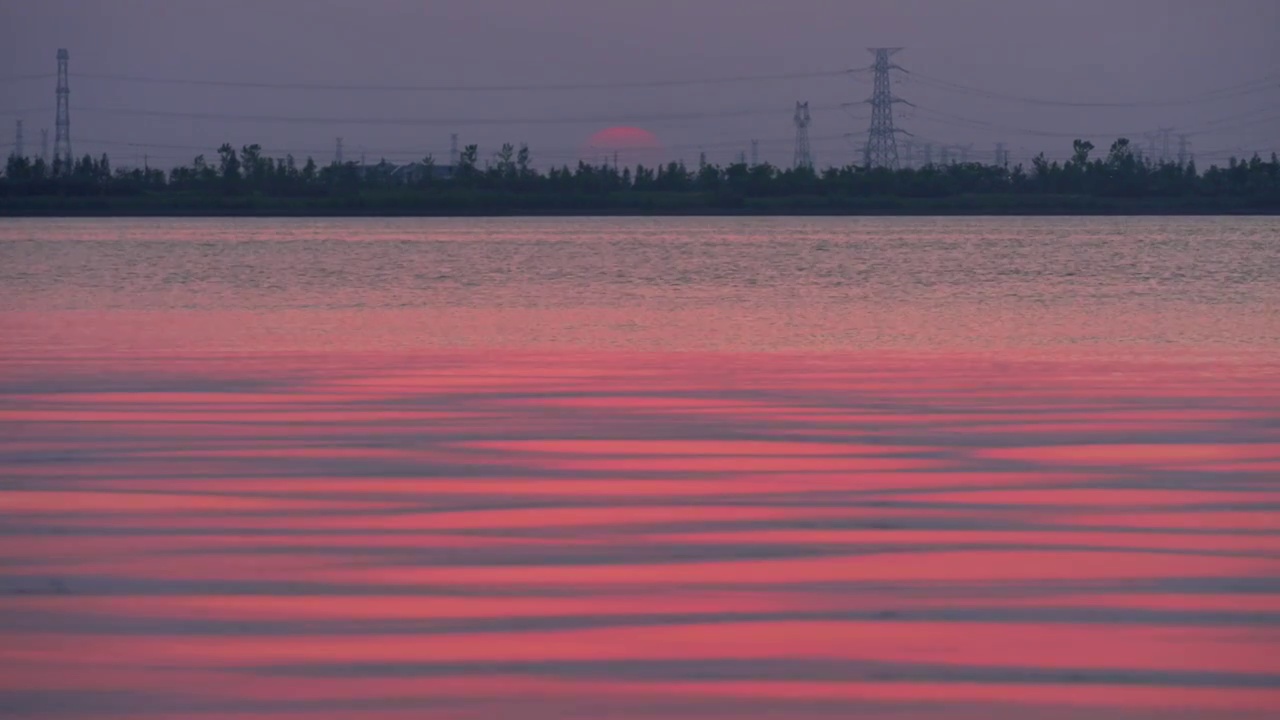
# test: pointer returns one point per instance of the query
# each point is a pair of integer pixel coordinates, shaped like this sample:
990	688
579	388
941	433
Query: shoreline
97	212
481	204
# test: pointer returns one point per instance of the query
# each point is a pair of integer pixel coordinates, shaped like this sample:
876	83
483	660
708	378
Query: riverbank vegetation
246	182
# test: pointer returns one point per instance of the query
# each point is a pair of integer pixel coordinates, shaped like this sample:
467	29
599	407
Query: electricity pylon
803	156
882	140
62	121
1164	143
1152	154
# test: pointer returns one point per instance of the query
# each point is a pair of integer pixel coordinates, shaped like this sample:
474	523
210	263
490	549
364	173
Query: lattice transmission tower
882	137
18	149
804	155
1184	149
1164	143
62	121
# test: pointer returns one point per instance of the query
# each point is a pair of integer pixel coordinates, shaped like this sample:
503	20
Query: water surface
739	468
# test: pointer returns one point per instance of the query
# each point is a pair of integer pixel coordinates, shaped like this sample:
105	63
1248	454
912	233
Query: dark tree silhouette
246	180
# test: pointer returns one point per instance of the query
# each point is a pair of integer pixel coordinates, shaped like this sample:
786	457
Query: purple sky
1080	51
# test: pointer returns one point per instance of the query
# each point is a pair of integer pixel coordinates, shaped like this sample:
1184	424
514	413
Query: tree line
247	179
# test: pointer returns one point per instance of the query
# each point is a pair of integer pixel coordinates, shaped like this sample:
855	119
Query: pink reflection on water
513	535
561	469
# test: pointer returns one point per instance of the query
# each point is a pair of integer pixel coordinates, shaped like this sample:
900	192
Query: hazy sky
1079	51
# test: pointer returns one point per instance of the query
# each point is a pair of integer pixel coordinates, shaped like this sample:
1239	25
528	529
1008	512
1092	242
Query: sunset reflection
481	512
601	530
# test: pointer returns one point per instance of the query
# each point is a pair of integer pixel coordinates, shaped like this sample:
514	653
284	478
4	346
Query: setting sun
627	145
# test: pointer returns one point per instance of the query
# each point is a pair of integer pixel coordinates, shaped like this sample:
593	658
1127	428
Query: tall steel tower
882	140
337	151
453	150
1164	143
1153	148
1184	147
18	149
62	124
755	153
804	156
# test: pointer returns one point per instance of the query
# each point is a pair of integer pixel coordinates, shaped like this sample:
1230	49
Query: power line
1235	121
947	118
1271	121
1246	88
20	78
1213	126
541	154
778	142
515	120
466	88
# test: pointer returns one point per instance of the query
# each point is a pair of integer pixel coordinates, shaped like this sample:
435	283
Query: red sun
630	146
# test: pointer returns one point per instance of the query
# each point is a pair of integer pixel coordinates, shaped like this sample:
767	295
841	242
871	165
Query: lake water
640	468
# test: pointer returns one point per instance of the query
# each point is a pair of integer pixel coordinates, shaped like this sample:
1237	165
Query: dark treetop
245	182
